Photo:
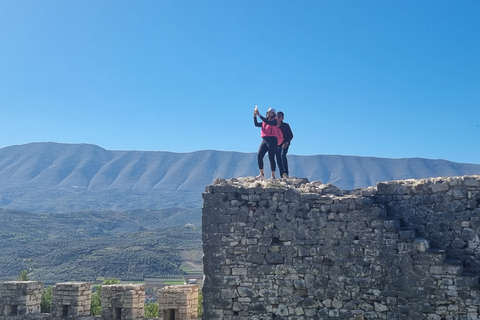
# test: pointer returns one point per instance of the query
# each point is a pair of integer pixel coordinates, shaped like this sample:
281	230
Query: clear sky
394	79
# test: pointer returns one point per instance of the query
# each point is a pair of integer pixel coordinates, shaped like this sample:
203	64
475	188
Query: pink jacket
271	131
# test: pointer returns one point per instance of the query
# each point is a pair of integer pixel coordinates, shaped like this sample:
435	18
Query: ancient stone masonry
20	300
71	299
292	249
178	302
444	210
123	301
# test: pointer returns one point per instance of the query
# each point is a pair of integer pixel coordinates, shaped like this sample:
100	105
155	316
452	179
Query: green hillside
83	246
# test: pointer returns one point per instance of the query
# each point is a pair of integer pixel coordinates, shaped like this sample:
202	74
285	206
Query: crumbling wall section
443	210
293	249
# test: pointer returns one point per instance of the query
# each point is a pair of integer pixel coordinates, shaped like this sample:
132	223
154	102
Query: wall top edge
302	185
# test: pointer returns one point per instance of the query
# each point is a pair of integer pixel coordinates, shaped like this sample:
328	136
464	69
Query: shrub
23	276
96	306
151	310
46	303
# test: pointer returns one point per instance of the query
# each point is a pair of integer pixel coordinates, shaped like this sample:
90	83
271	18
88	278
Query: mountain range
56	177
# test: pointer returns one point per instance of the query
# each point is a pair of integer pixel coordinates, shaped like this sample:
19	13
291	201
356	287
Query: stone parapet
428	186
123	301
178	302
71	299
18	298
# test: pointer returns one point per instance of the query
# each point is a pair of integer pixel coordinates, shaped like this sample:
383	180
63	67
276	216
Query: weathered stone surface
20	300
124	299
403	250
71	299
181	301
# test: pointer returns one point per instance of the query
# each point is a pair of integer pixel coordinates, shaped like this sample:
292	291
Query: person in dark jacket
282	149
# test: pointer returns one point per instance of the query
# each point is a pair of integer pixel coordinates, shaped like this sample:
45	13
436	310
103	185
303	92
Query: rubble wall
293	249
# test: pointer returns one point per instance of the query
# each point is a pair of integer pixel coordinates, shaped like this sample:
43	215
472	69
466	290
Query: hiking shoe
260	176
285	176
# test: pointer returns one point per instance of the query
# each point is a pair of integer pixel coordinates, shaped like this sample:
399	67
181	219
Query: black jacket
287	132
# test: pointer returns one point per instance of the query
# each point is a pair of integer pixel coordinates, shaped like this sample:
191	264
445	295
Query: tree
96	306
23	276
151	310
46	303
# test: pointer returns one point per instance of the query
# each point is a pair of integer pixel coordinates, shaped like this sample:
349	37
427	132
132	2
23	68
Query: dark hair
280	113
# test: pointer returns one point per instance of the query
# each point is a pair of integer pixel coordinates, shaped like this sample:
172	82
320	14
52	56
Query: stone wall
293	249
178	302
443	210
71	299
123	301
20	300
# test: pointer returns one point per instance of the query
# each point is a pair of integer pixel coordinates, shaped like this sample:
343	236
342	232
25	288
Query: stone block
421	244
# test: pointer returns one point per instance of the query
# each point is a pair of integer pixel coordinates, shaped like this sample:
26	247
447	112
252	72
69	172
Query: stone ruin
290	249
71	299
178	302
123	301
20	300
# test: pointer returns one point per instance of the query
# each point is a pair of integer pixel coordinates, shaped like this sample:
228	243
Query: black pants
269	144
282	160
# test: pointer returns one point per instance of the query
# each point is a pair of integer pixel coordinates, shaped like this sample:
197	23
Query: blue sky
394	79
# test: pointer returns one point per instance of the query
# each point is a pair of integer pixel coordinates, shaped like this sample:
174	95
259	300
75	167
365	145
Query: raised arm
270	122
255	121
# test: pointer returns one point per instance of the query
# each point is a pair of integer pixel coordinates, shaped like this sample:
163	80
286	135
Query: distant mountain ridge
55	177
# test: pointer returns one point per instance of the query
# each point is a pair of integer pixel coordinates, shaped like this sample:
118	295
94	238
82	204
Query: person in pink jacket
271	138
